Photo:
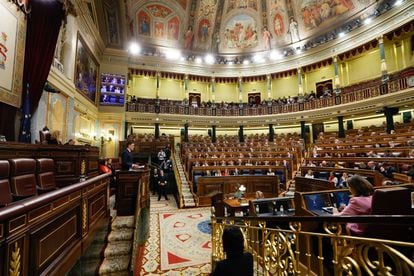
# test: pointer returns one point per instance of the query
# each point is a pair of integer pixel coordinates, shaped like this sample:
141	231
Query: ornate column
241	134
157	130
213	134
300	86
186	99
384	71
269	87
341	130
269	94
157	89
213	97
337	83
186	88
271	133
303	131
300	89
240	88
186	132
389	112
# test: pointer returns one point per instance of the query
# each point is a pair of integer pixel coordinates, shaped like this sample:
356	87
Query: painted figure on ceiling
159	29
144	26
266	38
173	28
188	38
203	30
293	30
278	25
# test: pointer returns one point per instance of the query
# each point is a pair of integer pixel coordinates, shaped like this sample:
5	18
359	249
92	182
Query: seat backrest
390	201
5	192
22	177
45	168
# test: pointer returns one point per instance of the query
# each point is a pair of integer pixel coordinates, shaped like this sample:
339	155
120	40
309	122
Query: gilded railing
354	93
295	245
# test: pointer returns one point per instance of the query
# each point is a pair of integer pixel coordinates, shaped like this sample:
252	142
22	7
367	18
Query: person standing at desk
127	158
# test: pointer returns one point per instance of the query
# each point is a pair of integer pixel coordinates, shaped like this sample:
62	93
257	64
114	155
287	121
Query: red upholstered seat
22	177
5	192
45	168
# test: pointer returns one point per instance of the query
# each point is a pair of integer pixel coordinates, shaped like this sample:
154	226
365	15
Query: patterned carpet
184	246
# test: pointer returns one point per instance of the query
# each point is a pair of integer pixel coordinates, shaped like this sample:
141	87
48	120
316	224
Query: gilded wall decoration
12	42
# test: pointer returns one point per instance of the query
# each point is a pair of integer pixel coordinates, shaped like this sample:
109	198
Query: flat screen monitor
341	198
317	201
112	90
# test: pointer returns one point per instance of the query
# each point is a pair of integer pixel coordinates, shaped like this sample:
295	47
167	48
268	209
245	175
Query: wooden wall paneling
44	234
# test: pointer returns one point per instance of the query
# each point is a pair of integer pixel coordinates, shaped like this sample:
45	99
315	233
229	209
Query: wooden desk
234	205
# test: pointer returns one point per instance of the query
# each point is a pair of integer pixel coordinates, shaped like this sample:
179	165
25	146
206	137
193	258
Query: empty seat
390	201
22	177
45	168
5	192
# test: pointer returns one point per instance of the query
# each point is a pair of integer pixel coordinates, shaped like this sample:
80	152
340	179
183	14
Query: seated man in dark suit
237	262
127	158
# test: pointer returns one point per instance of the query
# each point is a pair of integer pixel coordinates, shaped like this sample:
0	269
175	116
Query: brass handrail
295	245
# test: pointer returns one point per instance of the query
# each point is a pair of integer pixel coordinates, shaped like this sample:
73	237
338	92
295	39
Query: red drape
43	27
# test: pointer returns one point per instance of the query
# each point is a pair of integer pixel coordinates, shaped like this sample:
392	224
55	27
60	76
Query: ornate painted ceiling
232	26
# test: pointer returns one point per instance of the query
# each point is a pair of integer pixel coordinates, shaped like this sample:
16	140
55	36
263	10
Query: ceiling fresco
237	26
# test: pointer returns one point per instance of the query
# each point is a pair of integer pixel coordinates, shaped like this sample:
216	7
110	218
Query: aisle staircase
187	197
118	251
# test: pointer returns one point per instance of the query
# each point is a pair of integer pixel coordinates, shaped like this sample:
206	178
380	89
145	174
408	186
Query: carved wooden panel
49	240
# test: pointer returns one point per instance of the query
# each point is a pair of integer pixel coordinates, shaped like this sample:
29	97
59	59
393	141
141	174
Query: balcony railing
354	93
318	246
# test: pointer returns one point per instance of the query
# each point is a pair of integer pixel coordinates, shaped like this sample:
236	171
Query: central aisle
179	242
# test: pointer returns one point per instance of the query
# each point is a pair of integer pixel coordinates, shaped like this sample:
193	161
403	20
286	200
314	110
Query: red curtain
43	25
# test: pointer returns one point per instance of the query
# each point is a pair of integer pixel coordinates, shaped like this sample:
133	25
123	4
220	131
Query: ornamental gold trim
83	167
84	216
15	264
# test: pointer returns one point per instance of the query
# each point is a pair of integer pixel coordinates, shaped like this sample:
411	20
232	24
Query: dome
239	32
241	26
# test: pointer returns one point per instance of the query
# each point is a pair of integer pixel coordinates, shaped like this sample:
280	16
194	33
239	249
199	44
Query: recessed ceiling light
398	3
368	20
198	60
209	59
258	58
134	48
172	54
274	54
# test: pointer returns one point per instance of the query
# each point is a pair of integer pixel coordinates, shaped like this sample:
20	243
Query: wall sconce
105	139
